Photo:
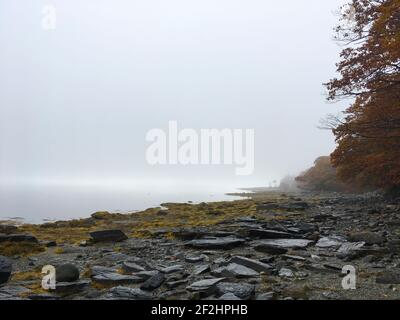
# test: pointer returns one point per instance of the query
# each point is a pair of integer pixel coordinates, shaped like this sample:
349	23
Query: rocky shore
269	246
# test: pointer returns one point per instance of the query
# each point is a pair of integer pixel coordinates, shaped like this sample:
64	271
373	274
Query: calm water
38	204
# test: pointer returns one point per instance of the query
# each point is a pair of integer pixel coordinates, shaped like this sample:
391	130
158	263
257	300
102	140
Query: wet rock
153	282
216	243
18	238
172	269
12	292
125	293
286	273
175	284
388	277
108	236
252	264
71	287
234	270
67	273
330	242
367	237
294	258
265	296
206	286
5	269
350	249
132	267
295	206
116	278
197	233
109	276
194	259
201	269
146	274
280	246
243	291
229	297
304	227
269	234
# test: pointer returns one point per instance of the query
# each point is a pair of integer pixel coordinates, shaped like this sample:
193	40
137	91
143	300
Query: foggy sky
76	102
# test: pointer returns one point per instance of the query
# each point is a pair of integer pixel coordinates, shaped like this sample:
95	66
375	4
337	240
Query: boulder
108	236
67	273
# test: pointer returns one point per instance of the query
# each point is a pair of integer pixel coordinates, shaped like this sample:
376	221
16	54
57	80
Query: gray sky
76	102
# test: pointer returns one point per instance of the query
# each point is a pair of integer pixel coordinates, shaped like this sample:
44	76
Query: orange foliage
368	151
321	177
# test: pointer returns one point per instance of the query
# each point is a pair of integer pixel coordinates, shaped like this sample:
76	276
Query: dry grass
10	249
146	223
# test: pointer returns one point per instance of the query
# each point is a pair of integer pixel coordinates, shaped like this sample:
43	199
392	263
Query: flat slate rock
216	243
201	269
206	285
172	269
5	269
348	248
243	291
269	234
71	287
252	264
229	296
280	246
153	282
108	236
105	275
126	293
234	270
132	267
116	278
330	242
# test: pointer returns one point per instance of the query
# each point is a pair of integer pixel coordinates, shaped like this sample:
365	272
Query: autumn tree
320	177
368	137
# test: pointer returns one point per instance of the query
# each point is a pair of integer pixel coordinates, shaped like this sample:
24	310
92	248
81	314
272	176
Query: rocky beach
268	246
